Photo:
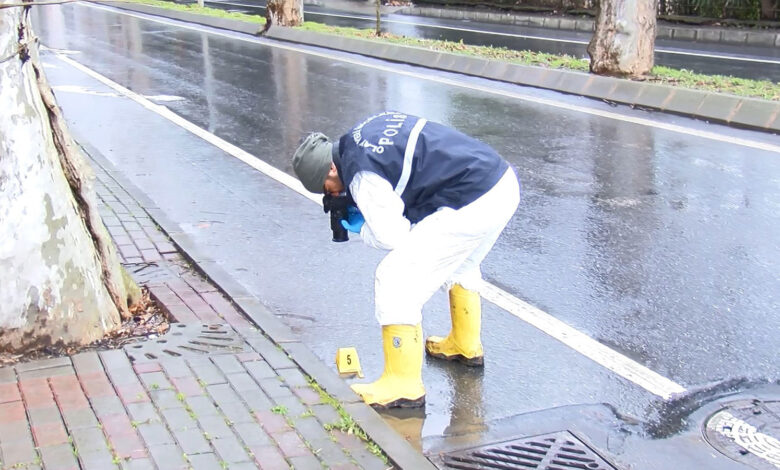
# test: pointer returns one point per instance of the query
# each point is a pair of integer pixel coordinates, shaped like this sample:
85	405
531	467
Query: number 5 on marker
347	362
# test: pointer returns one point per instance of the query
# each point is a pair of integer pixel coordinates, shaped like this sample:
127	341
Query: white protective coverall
442	249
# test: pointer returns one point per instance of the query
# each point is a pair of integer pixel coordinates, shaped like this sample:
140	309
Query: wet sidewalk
213	392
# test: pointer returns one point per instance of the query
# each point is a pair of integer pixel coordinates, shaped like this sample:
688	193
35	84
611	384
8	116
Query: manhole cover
747	431
556	451
188	340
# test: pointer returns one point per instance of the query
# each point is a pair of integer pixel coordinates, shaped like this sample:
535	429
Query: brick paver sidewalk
212	393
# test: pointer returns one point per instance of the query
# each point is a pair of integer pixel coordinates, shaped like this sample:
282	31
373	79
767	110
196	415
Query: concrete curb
710	34
398	450
713	107
222	23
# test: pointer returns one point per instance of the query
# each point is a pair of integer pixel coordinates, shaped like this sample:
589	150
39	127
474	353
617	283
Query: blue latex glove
354	220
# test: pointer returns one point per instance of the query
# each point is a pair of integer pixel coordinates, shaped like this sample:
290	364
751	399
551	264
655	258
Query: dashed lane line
222	144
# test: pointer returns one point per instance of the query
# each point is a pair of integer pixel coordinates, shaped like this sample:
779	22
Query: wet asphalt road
656	243
759	63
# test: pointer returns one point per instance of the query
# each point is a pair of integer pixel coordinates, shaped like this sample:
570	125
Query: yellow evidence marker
347	362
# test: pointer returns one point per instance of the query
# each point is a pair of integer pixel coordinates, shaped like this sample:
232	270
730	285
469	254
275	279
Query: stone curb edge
665	31
727	109
398	450
712	107
222	23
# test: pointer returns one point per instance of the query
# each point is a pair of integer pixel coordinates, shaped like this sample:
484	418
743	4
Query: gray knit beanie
311	161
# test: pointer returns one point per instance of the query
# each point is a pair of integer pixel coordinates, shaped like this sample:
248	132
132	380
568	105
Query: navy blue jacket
428	164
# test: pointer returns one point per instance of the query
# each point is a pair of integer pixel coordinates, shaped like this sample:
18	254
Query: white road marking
86	91
719	56
60	51
222	144
167	98
463	84
82	90
580	342
412	23
520	36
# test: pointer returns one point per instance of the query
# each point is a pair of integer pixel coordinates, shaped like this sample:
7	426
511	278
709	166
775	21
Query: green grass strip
760	89
486	52
194	8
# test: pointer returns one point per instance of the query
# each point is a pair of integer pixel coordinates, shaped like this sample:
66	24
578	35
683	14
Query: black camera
337	206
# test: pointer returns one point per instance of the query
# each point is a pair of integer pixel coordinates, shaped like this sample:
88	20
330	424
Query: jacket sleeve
385	226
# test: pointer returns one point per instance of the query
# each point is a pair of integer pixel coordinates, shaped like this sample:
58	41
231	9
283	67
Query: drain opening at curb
555	451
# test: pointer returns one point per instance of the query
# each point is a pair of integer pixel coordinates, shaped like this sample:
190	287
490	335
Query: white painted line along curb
582	343
222	144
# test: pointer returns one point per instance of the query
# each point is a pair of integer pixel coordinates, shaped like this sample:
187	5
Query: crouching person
438	200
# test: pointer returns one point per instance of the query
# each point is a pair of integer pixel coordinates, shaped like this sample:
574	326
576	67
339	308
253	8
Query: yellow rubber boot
401	383
463	343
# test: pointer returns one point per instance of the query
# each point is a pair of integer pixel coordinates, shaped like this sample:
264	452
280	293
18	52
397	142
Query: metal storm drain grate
556	451
188	340
747	431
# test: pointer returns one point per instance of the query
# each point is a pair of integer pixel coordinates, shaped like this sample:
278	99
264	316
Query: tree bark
624	40
61	281
767	9
378	18
283	13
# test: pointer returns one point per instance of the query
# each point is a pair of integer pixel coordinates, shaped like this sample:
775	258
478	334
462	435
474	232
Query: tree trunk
283	13
378	18
624	40
60	278
767	9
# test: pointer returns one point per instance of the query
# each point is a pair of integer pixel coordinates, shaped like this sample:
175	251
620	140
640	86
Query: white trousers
443	249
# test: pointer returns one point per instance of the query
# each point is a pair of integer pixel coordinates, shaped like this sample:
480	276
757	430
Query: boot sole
469	361
401	403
